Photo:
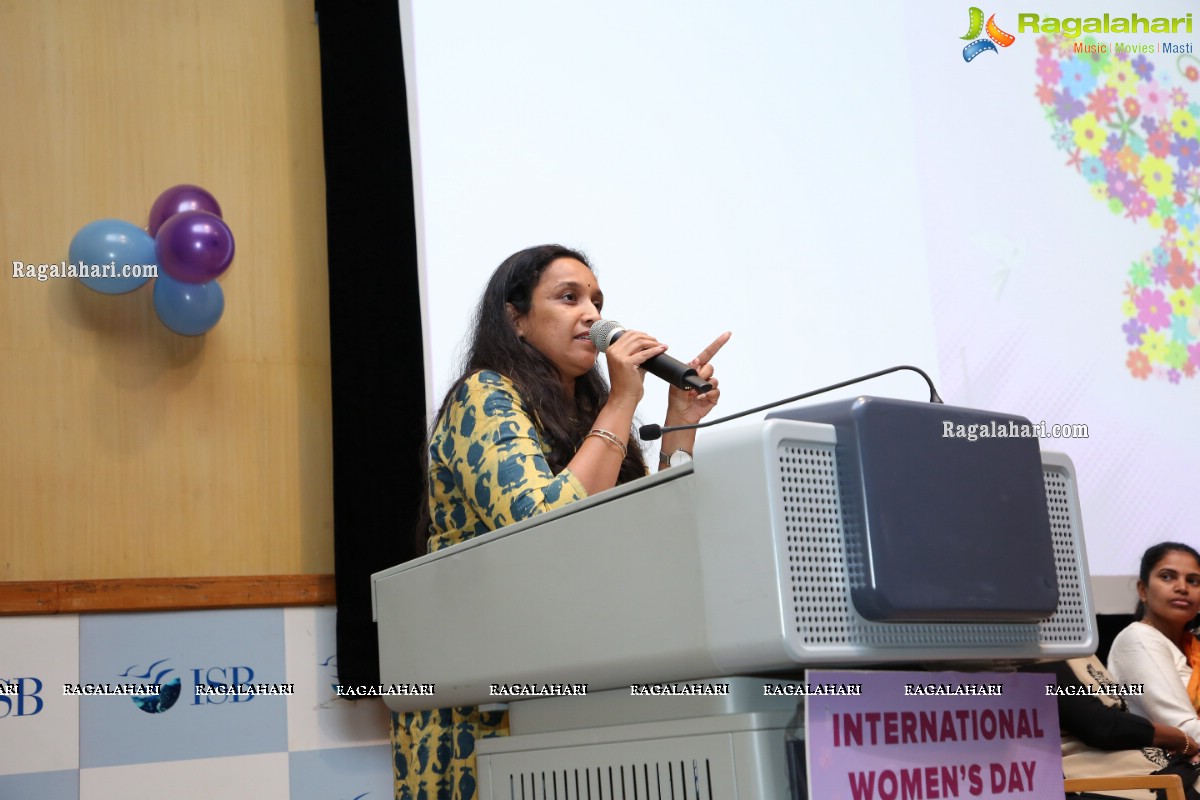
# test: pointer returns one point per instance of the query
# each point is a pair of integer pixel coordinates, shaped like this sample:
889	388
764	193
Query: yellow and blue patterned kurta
487	464
487	469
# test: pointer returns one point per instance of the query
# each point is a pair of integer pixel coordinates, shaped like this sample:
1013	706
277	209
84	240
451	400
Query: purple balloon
176	200
194	247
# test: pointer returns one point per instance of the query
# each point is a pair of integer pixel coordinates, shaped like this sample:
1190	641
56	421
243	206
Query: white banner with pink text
910	735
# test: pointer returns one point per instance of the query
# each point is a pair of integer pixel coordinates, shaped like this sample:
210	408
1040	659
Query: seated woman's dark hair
493	344
1153	555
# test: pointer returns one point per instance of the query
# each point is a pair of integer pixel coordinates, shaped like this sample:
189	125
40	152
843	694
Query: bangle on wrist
609	437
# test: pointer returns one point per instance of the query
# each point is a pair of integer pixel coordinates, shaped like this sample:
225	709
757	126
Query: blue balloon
190	309
113	256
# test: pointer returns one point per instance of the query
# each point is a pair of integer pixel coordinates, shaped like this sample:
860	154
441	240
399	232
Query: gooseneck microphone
604	332
649	433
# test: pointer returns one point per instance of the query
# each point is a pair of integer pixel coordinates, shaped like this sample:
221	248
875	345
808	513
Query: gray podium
747	563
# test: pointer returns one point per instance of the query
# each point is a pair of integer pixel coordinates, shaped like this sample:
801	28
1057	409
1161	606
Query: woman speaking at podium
529	426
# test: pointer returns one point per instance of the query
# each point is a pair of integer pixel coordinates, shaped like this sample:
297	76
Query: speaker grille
1071	617
657	780
814	554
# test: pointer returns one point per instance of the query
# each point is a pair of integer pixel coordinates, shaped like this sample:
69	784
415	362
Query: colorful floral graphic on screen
1129	126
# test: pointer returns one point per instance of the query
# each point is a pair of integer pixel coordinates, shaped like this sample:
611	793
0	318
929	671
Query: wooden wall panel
125	449
25	598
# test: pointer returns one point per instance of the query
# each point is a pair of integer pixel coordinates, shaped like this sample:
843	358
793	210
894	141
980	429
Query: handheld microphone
605	331
649	433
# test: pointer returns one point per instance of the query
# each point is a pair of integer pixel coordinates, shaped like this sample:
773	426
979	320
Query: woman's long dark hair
494	345
1150	559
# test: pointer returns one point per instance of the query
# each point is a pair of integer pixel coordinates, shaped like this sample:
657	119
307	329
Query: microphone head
648	433
602	331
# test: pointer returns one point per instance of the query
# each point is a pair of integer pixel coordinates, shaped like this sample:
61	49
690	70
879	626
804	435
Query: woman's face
563	306
1172	593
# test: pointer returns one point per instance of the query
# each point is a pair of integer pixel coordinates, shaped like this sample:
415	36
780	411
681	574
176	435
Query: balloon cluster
187	240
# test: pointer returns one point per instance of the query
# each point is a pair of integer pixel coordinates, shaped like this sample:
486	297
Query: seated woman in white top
1159	650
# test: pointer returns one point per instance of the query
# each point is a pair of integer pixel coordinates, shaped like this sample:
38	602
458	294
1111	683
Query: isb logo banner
208	666
169	687
21	697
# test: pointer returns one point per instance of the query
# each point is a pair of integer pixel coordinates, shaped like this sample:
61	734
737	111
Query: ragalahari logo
995	36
